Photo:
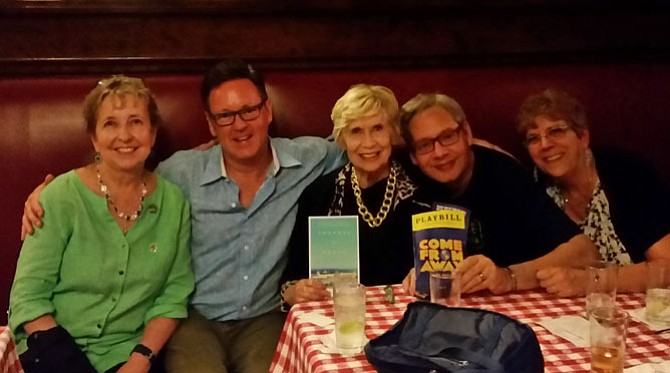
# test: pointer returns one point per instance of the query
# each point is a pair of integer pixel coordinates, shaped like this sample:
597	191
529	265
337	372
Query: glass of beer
608	339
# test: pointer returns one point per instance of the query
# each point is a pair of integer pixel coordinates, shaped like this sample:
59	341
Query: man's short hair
230	70
425	101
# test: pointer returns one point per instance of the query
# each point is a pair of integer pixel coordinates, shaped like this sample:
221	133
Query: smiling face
451	164
123	133
368	143
243	141
557	150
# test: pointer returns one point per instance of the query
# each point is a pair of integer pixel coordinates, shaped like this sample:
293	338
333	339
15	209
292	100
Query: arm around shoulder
578	252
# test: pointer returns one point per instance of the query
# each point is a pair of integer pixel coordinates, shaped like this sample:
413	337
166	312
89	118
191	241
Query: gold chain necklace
374	221
108	197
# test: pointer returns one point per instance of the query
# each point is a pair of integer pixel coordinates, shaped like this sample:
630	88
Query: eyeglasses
556	133
115	81
227	118
445	138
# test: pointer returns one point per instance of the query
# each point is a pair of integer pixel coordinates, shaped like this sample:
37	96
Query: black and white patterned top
404	188
598	225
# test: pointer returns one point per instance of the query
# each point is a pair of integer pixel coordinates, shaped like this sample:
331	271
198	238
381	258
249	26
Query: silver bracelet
512	278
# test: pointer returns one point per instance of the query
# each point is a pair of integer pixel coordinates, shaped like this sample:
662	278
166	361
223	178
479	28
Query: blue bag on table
433	338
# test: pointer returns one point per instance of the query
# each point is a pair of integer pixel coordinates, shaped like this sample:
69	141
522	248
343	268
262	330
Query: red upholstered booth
41	130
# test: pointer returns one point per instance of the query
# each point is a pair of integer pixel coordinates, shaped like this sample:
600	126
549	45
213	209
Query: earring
588	158
96	157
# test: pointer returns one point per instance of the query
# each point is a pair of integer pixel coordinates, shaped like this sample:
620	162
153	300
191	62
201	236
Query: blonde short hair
364	100
118	86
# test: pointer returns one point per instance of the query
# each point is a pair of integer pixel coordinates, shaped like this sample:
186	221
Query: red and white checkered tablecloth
9	360
299	346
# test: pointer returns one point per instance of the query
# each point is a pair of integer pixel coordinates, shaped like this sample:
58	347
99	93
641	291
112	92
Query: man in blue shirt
243	196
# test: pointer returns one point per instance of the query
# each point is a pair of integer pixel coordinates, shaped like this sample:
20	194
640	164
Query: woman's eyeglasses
116	80
553	134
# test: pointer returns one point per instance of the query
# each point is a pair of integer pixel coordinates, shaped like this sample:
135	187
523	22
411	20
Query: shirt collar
282	154
275	163
216	166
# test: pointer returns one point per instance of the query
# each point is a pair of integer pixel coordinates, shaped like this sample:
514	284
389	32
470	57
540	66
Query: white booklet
333	248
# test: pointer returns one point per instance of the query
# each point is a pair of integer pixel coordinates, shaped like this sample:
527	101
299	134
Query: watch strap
146	351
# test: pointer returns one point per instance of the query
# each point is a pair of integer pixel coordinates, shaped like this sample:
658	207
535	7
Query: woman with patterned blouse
373	185
613	197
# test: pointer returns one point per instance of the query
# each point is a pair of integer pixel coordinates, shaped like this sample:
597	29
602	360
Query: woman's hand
32	210
137	363
563	282
306	290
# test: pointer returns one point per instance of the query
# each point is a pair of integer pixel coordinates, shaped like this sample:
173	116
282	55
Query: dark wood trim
172	36
240	7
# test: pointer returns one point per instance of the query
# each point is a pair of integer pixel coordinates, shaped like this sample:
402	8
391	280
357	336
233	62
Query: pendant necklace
126	217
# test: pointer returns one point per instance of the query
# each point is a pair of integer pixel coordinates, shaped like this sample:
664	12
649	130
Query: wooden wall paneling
79	38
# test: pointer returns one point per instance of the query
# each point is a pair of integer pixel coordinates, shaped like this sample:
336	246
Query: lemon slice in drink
350	327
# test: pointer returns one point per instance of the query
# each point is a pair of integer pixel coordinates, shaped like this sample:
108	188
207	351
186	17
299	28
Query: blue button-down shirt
239	253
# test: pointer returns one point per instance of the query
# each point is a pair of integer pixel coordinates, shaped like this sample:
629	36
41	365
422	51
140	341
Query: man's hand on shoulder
208	145
32	210
486	144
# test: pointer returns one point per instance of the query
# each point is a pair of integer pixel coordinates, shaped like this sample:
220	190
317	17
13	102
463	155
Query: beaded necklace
108	197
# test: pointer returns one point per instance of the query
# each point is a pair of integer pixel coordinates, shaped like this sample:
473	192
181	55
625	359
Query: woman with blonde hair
373	186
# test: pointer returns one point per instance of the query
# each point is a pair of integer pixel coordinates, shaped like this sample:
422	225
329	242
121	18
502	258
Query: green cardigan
99	284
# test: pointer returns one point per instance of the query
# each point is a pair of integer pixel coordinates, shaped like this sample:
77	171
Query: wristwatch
146	351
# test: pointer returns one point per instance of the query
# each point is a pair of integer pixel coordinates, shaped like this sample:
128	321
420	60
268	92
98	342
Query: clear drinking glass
658	291
601	285
608	339
349	303
445	288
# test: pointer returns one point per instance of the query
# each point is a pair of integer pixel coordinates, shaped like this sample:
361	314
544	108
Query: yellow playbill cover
439	241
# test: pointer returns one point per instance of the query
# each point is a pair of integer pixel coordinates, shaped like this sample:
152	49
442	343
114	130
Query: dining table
301	350
9	360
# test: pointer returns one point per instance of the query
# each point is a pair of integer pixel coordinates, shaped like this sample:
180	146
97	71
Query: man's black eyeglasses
227	118
445	138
